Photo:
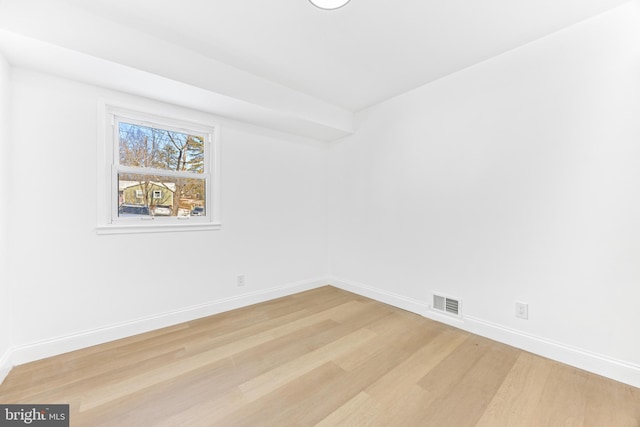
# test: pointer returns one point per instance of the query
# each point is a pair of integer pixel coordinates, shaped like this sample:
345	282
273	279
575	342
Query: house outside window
159	171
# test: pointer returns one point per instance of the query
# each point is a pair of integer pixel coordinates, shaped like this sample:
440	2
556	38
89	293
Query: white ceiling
283	64
356	56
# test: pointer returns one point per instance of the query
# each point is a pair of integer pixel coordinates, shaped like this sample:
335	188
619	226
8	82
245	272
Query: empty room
320	212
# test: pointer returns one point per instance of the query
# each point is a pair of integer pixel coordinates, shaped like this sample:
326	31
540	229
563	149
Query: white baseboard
39	350
5	364
396	300
619	370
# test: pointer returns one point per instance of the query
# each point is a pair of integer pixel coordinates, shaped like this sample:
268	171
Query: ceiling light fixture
329	4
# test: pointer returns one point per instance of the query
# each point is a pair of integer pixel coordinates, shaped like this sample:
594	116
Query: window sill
155	228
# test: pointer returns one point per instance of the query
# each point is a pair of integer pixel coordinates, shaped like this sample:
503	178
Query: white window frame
109	221
159	194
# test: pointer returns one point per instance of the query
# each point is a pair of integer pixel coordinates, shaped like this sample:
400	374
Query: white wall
6	285
70	280
512	180
515	179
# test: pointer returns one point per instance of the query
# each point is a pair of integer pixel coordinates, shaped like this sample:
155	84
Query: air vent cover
446	304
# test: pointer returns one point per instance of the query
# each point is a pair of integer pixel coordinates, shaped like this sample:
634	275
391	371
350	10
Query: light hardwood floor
323	357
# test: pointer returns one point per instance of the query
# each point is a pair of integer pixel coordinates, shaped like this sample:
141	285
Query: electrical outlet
241	280
522	310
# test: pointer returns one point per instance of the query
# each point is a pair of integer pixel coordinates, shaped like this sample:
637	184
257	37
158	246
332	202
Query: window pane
147	147
156	195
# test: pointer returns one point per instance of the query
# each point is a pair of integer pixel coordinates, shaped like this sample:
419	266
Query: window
159	174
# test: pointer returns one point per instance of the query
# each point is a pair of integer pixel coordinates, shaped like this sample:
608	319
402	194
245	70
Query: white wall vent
446	305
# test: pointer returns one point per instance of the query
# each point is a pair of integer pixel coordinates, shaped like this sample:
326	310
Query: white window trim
108	220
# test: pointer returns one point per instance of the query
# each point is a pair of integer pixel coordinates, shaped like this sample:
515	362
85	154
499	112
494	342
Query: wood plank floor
324	357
